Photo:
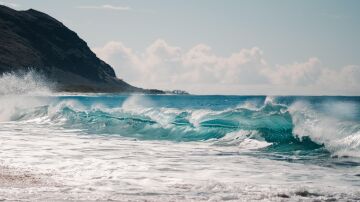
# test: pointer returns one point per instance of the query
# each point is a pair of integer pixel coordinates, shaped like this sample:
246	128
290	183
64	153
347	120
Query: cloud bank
199	70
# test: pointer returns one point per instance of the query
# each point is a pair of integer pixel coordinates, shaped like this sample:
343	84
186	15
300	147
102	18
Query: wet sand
12	177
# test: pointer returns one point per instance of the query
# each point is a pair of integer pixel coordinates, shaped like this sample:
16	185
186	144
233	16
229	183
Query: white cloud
107	7
10	4
305	73
311	77
200	70
345	78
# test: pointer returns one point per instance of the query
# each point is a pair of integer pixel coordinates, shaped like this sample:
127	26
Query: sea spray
22	92
340	136
24	83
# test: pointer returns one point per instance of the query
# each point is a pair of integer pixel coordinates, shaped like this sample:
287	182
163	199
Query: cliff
33	40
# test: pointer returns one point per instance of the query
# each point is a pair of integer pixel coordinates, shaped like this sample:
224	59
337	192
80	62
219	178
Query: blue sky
278	47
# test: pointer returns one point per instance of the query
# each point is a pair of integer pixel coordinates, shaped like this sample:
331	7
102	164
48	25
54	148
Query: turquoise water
185	147
324	126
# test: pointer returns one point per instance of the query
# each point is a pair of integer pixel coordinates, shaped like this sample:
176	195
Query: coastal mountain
32	40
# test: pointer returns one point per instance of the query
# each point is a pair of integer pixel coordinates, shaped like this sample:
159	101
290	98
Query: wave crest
274	126
340	136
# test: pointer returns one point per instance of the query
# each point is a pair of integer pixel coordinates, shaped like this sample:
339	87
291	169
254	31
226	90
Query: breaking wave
22	91
271	126
24	83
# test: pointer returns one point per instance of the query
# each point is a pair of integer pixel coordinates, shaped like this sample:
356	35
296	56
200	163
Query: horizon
241	51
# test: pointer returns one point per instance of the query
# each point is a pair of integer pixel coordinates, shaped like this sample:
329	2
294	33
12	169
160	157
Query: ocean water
182	147
179	147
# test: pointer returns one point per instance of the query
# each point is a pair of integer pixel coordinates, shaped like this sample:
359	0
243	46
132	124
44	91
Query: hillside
33	40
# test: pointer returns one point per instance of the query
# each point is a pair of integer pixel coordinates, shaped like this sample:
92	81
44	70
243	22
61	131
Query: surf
281	127
279	124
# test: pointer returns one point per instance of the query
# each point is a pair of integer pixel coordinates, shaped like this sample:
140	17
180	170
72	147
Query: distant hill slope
34	40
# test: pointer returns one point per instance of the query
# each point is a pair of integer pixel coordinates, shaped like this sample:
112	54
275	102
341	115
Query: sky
272	47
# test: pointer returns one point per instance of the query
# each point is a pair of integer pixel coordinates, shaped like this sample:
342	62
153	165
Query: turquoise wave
285	128
271	123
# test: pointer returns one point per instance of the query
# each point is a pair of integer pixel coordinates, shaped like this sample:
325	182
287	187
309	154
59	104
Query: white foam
84	167
137	101
269	100
340	137
243	139
12	106
29	83
198	115
20	92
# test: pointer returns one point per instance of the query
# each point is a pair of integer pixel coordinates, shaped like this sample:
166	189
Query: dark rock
306	193
283	195
331	199
33	40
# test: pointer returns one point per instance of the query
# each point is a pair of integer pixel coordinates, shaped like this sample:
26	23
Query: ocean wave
21	92
341	137
277	127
